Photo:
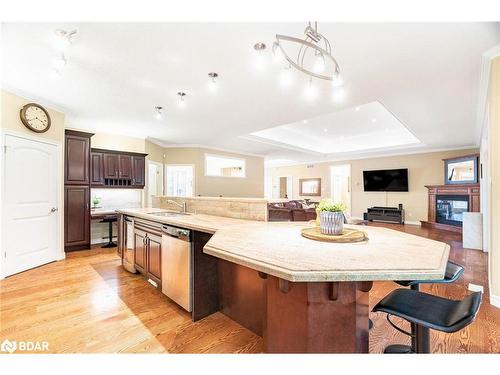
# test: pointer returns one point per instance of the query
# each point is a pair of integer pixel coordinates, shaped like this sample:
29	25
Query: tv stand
385	214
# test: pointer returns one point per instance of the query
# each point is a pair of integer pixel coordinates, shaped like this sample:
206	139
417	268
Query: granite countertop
278	249
200	222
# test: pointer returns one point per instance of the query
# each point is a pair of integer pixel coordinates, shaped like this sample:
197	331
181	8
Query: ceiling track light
212	84
65	38
158	112
314	47
181	95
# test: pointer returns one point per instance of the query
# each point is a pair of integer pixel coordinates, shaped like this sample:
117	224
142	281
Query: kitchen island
299	295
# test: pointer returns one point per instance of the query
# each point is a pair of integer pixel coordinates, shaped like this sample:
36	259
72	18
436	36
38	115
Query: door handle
54	209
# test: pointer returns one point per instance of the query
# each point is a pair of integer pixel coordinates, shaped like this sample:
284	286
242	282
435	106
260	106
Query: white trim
59	193
385	155
484	80
160	143
495	300
224	157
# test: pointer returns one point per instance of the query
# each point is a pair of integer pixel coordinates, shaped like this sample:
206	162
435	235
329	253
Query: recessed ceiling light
374	120
358	108
325	130
182	102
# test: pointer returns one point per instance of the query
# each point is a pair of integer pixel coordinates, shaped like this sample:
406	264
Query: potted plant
95	201
331	216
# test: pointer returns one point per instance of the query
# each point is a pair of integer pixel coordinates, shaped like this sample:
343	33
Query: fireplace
449	209
447	203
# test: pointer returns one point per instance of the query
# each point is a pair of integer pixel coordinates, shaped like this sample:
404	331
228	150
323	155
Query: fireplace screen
449	208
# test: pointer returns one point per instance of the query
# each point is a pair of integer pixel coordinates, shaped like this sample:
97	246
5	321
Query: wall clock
35	117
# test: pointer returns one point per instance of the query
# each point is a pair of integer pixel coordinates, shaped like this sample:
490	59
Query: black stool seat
109	219
431	311
452	273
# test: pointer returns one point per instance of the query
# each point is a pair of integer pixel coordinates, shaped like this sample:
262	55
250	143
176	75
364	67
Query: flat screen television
386	180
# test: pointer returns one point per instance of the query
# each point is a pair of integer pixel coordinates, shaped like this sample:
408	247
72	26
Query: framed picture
310	187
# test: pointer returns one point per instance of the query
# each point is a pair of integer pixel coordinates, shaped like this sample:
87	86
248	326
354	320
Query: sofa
293	210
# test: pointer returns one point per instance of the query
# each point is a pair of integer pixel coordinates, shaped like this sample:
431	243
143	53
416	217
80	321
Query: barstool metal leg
423	340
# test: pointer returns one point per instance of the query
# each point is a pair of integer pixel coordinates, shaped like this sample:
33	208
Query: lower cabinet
147	258
153	255
140	260
76	217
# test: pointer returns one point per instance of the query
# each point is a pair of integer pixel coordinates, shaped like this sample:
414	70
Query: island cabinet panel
205	285
242	295
316	317
111	165
125	166
96	169
153	255
77	158
76	217
138	171
140	252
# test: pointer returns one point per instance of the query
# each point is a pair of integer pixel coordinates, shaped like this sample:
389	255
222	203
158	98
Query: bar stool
110	220
452	273
427	311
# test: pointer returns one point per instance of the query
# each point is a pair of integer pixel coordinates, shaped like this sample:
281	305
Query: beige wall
10	106
494	148
423	169
251	187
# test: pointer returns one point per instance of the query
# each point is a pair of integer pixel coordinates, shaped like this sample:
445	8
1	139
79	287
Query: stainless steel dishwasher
176	265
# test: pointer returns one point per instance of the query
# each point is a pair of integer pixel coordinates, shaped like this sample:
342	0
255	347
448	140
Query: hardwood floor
89	304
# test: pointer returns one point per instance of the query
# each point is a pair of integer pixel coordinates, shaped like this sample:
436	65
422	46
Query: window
180	180
223	166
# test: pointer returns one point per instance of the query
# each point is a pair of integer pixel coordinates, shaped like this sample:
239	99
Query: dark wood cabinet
125	166
140	252
111	165
153	250
77	176
118	169
147	247
96	169
76	217
77	158
138	171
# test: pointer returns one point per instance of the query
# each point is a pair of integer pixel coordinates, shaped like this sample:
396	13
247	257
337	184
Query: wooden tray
347	236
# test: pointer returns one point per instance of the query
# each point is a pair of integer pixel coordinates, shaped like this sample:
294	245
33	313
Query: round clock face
35	118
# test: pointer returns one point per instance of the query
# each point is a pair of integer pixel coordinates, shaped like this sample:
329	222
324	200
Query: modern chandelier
314	55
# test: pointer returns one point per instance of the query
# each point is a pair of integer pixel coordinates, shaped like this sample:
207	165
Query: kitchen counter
278	249
300	295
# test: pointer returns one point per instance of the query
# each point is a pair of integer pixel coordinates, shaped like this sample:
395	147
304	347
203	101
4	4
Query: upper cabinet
117	169
138	167
77	158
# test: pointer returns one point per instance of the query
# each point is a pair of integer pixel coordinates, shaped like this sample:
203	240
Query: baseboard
495	300
413	222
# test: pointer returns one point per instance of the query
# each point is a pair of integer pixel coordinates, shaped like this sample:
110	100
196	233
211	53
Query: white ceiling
425	74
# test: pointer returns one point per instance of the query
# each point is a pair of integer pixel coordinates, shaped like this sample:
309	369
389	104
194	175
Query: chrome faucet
182	205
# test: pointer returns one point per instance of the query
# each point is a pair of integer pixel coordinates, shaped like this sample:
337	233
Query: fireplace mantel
471	190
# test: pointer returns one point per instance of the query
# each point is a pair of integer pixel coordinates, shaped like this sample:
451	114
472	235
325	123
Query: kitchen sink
169	213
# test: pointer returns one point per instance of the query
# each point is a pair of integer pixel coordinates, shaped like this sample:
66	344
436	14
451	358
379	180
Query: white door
30	212
341	185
